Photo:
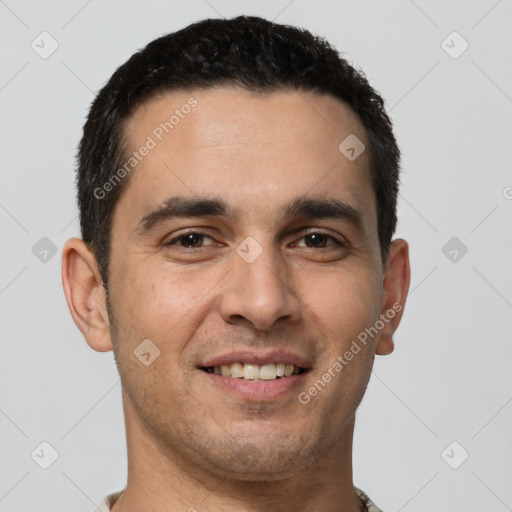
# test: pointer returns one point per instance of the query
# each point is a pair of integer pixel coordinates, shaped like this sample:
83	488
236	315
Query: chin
262	470
261	458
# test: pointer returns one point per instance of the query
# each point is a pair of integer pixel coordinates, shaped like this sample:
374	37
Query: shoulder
368	503
108	502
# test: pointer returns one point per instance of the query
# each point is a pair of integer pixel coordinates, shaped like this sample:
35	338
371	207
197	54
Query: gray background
449	377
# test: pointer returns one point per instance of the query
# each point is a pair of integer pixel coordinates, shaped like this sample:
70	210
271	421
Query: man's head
242	233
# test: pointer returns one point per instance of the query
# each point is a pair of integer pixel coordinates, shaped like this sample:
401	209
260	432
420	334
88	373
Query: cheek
163	303
343	303
341	306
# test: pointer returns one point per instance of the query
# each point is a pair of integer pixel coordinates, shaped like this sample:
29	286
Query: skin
191	444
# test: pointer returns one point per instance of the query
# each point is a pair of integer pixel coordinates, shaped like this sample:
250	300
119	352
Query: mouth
256	376
255	372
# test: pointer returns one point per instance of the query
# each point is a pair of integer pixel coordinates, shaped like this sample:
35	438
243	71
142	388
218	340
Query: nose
260	293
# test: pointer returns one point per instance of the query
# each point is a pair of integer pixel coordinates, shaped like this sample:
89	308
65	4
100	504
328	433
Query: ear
397	277
85	294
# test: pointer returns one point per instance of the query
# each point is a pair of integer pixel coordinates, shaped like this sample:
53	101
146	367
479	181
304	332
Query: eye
191	240
319	241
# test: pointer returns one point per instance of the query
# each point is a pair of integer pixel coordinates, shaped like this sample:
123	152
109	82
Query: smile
255	372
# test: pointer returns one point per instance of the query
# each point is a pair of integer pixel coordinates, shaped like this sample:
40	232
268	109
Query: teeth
250	371
268	372
237	371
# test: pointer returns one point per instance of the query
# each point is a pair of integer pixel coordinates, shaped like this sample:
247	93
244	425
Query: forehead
252	149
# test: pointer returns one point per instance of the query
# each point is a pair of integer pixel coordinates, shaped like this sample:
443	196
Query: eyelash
336	241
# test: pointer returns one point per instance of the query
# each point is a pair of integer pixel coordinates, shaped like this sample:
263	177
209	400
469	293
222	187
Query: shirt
109	501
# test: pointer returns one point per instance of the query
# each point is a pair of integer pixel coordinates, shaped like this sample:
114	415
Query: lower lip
256	390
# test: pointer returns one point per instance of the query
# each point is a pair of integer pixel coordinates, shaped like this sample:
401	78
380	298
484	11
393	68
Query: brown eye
191	240
319	241
316	240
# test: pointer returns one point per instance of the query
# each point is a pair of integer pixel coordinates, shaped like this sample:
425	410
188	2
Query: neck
159	479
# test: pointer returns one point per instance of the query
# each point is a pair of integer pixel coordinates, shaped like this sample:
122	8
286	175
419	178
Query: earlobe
396	283
85	294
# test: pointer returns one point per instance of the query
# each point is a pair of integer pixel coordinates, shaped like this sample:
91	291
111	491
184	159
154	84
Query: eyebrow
310	208
324	208
179	206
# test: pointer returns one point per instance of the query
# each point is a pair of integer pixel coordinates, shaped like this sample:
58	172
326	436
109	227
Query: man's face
268	255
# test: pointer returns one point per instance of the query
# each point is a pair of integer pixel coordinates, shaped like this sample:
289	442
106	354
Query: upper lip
259	357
